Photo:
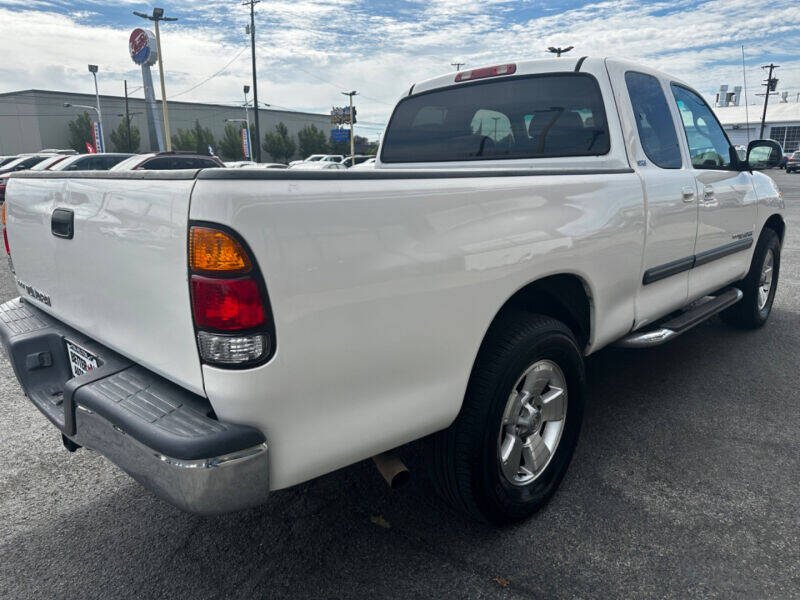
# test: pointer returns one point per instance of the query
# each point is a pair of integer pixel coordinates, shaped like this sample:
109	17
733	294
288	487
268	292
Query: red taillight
5	239
507	69
226	304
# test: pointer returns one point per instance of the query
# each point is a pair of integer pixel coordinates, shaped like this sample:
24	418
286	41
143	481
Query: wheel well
775	222
563	297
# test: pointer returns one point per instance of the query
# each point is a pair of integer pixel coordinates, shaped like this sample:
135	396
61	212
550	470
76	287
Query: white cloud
310	50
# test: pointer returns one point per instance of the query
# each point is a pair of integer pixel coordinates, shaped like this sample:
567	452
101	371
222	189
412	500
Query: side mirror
763	154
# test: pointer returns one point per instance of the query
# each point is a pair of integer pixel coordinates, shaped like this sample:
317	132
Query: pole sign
97	133
90	149
245	142
142	46
340	135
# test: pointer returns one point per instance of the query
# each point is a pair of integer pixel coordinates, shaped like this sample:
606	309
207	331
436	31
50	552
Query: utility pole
352	134
93	71
457	65
559	51
771	85
257	147
127	118
156	17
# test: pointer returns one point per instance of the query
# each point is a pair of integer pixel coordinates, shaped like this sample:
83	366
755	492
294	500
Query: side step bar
683	322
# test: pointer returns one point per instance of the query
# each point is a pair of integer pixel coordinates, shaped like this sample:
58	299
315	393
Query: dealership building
742	122
31	120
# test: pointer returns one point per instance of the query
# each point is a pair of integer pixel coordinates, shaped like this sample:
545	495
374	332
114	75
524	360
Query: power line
210	77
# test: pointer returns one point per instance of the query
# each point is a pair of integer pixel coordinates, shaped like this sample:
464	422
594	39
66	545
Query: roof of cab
544	65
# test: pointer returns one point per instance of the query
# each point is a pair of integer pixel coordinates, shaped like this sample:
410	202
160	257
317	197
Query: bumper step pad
163	435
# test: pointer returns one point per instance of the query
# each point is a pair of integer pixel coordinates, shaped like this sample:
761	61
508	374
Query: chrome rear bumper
162	435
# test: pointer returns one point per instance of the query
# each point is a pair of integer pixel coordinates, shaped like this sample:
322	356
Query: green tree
312	141
80	132
197	139
280	145
204	138
184	139
339	148
119	137
230	146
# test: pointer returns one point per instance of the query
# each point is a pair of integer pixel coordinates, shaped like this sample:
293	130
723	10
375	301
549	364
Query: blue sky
310	50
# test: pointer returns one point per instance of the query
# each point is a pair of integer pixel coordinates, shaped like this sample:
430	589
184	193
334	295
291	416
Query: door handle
62	223
688	194
708	193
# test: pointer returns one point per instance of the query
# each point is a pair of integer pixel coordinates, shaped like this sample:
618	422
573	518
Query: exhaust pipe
392	469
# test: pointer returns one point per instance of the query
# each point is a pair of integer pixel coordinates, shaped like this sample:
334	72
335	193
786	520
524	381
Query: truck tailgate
122	276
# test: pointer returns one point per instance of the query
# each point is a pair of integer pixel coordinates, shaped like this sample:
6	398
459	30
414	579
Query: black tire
746	314
464	459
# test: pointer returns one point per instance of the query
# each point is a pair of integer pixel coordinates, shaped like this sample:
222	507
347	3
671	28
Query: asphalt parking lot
686	483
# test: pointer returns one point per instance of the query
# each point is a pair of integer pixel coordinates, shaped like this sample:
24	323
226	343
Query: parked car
91	162
318	166
520	217
255	165
48	163
352	161
240	164
367	164
336	158
271	166
793	162
67	151
4	160
168	161
19	163
783	161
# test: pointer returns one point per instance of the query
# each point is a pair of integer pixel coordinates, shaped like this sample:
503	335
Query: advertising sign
142	46
340	135
97	133
245	143
90	149
341	114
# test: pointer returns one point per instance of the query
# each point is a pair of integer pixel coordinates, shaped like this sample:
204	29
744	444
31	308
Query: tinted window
709	147
653	120
522	117
179	162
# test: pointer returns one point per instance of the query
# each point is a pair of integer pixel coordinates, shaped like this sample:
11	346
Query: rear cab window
531	116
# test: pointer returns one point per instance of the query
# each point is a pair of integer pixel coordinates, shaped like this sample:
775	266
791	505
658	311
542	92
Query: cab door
669	187
726	198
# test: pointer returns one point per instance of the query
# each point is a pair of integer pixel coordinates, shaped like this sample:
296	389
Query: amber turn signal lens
215	251
4	213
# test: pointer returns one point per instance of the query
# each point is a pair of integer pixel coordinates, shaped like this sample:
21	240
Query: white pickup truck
226	332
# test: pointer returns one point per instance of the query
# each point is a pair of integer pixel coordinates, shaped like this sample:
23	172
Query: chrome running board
683	322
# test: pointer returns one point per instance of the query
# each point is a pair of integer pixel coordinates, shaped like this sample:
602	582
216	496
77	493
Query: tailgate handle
63	223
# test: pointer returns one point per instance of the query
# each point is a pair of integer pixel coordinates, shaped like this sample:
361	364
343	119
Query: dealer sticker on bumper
81	360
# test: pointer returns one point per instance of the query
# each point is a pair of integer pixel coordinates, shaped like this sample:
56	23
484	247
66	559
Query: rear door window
653	120
539	116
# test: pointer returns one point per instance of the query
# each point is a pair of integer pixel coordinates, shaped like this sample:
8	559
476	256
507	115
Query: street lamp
559	51
156	17
93	71
87	107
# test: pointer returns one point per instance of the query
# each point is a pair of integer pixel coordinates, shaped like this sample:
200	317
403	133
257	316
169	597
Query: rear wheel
758	286
508	449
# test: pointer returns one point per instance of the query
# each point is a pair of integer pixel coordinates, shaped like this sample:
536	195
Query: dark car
169	161
91	162
793	162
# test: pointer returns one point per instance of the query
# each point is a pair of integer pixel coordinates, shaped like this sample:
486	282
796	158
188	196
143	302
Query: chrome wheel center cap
529	421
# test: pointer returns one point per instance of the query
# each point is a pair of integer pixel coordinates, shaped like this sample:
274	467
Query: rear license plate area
81	361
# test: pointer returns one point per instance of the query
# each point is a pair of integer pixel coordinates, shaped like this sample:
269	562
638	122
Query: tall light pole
352	134
252	4
93	71
156	17
559	51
